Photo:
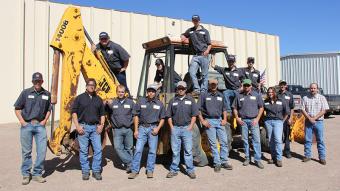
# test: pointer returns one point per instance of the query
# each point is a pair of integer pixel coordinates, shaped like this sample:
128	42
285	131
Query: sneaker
279	163
171	174
217	168
270	161
132	175
192	175
149	174
246	162
306	159
86	176
25	180
227	166
39	179
97	175
323	161
259	164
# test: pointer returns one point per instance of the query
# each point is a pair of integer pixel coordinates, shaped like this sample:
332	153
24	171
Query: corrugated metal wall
31	24
320	68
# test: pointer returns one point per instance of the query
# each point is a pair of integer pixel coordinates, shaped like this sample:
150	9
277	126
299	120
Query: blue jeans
229	96
203	63
123	142
121	77
90	134
144	136
26	138
179	135
286	130
318	129
274	130
255	130
217	131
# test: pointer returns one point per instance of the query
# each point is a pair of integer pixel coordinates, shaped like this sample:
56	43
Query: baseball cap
37	76
213	81
195	18
251	59
231	58
246	82
182	83
151	87
159	61
282	82
103	35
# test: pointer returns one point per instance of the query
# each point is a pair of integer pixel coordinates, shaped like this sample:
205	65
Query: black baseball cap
195	18
250	60
37	76
283	82
159	61
231	58
103	35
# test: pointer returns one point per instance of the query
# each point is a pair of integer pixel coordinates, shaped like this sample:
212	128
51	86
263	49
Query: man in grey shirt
314	106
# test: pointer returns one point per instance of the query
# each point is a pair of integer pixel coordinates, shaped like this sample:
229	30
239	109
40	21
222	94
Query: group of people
144	119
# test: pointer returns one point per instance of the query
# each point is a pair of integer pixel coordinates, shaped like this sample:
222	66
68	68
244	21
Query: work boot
246	162
192	175
306	159
132	175
128	169
288	155
270	161
217	168
259	164
39	179
26	180
227	166
149	174
86	176
279	163
171	174
97	175
323	161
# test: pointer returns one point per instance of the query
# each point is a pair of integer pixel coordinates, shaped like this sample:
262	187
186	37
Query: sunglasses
246	85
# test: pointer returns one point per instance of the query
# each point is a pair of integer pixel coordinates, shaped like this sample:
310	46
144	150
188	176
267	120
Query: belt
148	124
95	123
213	117
199	54
33	121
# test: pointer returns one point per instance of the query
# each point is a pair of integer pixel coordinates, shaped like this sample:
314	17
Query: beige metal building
28	25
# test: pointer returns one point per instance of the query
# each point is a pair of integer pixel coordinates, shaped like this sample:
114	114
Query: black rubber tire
264	140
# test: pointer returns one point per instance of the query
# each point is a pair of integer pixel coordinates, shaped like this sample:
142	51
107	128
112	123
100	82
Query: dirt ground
63	173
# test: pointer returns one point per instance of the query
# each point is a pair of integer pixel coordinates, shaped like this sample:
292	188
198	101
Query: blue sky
302	25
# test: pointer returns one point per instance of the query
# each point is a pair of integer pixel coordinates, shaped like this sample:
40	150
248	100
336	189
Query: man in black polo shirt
88	116
182	111
32	108
122	118
288	98
116	57
199	39
213	116
149	118
254	75
232	78
248	109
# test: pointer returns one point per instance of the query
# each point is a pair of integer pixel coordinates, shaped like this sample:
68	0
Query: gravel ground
63	173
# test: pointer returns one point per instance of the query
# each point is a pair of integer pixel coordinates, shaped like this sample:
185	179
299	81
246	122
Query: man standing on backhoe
199	40
116	57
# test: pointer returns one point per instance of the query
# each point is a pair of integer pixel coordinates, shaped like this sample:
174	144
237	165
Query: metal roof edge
310	54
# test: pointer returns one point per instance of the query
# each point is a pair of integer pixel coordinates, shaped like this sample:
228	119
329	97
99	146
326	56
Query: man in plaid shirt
314	107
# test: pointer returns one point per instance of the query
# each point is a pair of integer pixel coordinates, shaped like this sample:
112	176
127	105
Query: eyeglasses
37	81
181	89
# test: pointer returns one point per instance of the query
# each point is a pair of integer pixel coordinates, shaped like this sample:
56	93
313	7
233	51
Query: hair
274	92
91	80
314	83
120	86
